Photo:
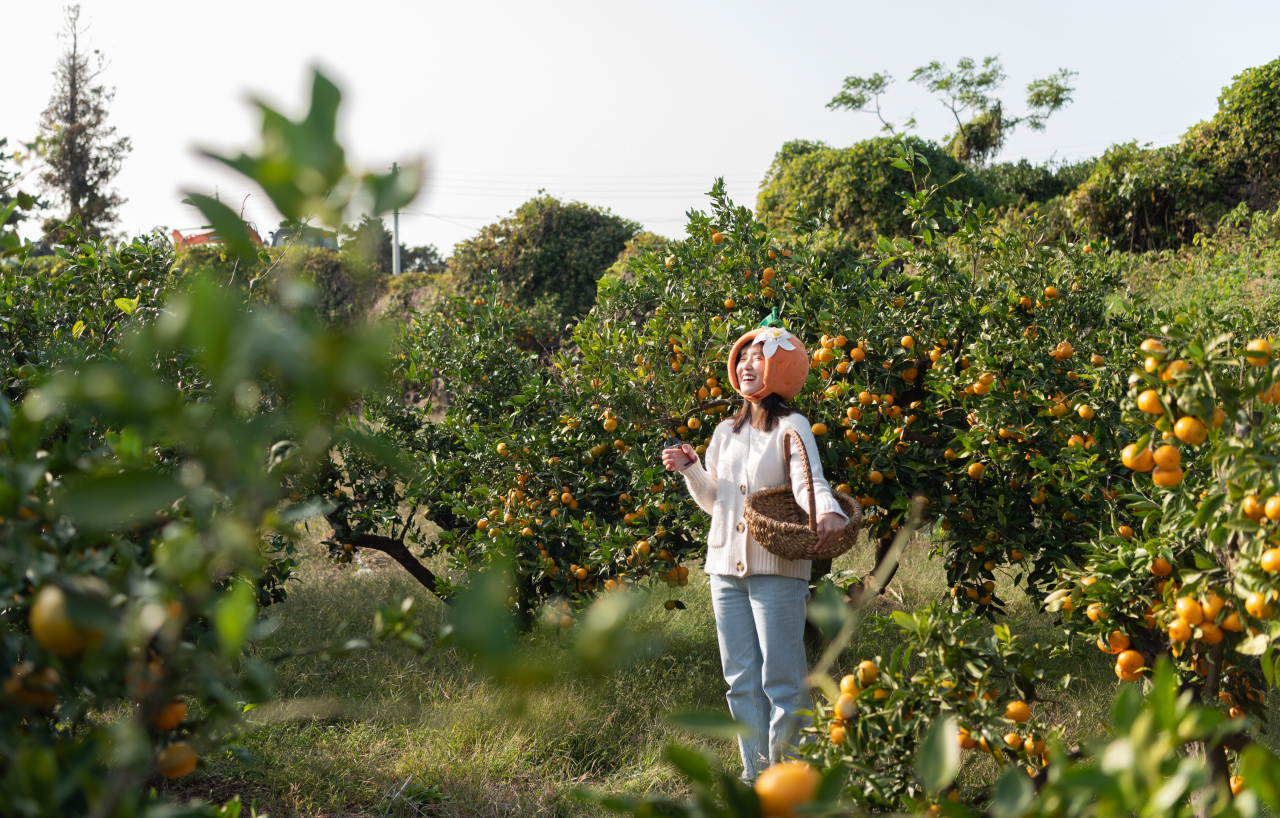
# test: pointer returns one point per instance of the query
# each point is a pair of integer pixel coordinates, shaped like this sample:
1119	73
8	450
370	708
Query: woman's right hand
679	458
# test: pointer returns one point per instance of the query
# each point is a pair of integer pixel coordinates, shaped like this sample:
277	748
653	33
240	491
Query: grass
1236	267
344	734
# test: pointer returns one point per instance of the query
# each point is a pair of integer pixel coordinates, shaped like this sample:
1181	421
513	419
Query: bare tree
84	153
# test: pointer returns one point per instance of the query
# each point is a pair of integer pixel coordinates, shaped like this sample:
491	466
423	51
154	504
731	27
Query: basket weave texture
785	529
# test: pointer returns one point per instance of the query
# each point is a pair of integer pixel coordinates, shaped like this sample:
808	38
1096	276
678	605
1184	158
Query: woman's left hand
830	525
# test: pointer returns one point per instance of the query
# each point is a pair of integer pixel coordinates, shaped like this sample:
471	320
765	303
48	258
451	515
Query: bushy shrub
346	284
858	186
76	303
547	251
1015	183
1151	198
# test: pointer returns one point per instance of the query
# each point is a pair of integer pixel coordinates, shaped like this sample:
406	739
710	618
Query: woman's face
750	369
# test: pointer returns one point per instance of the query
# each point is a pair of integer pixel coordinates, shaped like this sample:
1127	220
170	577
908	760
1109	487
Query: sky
636	107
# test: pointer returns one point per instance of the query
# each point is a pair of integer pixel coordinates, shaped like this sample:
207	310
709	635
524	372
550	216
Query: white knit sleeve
702	478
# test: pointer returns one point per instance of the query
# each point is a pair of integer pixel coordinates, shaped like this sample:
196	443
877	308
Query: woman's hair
770	408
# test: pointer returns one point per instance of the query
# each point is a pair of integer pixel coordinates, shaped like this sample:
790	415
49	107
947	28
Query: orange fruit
717	237
176	760
1189	610
1126	676
1130	661
170	716
1232	623
1017	711
1050	292
1117	641
729	303
1210	634
52	627
1256	604
1149	402
1272	508
867	672
907	342
1175	368
1257	352
1013	740
1126	532
1167	457
1211	606
965	740
1166	477
1190	430
837	734
785	786
846	706
975	470
819	429
1161	567
1237	784
1252	507
1095	612
875	477
849	684
1179	631
1271	559
1137	459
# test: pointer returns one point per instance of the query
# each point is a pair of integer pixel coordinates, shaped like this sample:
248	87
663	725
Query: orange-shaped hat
786	363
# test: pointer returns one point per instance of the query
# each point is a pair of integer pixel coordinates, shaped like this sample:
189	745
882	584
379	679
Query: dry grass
346	735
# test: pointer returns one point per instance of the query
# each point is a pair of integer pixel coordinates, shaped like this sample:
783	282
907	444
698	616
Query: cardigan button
739	566
743	488
742	526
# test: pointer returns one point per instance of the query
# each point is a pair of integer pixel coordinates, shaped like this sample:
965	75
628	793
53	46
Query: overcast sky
632	106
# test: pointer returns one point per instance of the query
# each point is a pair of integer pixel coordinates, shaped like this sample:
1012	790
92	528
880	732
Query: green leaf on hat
772	321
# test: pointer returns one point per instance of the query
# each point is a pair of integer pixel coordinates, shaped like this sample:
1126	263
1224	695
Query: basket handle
808	474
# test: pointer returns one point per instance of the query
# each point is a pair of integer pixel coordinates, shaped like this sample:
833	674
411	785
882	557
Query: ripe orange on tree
784	786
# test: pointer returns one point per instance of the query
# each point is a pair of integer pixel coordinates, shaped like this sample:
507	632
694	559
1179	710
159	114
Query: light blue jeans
760	626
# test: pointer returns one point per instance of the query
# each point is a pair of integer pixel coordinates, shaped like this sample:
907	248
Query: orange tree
162	446
977	368
1196	576
967	365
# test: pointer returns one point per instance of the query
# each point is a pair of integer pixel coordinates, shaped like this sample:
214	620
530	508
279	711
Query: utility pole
395	232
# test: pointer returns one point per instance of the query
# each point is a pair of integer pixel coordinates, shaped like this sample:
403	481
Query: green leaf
78	329
229	227
1207	509
1261	771
126	305
1013	795
693	764
394	190
117	500
1255	645
233	617
938	757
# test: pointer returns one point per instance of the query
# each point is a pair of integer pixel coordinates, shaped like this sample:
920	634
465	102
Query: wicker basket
783	528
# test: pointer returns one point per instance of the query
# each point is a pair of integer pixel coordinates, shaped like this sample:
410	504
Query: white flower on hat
772	338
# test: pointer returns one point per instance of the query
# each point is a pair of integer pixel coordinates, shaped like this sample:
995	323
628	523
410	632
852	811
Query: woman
759	599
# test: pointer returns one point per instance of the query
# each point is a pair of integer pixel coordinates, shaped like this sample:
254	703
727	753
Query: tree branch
399	552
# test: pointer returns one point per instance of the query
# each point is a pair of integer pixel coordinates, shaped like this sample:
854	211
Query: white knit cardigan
735	466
